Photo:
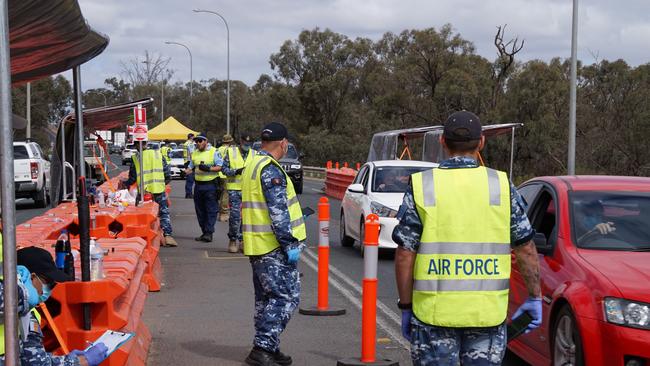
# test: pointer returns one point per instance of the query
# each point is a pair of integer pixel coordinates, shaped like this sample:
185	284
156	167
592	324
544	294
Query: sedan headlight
629	313
381	210
295	166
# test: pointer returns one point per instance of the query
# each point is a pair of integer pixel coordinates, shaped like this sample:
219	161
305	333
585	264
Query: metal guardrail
314	172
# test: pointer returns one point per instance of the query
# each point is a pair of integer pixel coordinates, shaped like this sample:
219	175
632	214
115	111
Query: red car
593	239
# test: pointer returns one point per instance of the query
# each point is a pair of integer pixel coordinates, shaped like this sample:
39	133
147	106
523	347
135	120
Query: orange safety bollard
358	166
369	300
345	164
329	164
322	308
336	165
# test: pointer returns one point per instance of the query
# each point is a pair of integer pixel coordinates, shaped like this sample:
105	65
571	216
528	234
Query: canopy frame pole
82	202
7	195
63	162
512	151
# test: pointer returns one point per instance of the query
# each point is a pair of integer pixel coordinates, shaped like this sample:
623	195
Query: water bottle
59	249
96	261
111	198
100	198
68	267
76	261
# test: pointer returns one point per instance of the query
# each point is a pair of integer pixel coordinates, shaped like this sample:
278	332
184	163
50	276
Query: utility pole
28	113
571	163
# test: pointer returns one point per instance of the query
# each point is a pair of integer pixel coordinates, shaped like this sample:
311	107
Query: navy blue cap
463	126
274	131
39	261
246	137
200	136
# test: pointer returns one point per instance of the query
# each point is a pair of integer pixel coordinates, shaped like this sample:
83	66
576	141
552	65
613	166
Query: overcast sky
607	29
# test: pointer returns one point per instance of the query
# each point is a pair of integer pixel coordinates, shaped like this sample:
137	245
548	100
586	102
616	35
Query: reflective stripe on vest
186	148
258	233
153	173
207	157
222	151
236	161
462	267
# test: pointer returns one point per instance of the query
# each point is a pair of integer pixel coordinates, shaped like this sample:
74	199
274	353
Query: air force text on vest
466	266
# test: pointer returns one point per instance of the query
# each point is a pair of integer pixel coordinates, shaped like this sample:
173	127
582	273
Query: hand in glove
239	171
26	278
204	168
293	255
406	324
532	306
93	355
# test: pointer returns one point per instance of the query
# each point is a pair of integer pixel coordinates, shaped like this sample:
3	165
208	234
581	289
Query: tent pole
7	194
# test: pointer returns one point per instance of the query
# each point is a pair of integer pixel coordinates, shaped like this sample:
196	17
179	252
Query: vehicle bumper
295	175
386	226
25	187
175	172
617	344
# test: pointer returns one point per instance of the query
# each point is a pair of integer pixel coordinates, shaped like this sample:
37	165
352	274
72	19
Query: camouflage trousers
277	294
431	345
163	213
234	221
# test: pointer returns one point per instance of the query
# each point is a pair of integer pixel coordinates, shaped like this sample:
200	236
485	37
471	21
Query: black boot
282	359
260	357
206	238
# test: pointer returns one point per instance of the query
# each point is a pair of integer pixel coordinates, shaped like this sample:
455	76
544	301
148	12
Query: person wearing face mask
38	273
593	222
274	235
234	162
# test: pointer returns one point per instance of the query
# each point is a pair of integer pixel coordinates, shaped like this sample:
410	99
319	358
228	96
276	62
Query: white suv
31	173
128	151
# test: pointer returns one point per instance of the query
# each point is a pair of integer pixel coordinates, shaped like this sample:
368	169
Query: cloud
608	29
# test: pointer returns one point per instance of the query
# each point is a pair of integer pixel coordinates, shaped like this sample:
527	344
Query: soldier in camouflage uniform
274	260
34	288
438	345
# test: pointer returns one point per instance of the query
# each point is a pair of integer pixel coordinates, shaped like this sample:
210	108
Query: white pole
28	113
571	163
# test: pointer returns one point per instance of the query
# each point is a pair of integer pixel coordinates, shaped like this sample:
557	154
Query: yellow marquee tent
170	129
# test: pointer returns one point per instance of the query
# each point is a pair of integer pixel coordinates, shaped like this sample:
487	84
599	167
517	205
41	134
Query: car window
364	179
20	152
360	175
176	154
34	151
130	147
543	216
611	220
40	152
393	179
292	153
529	192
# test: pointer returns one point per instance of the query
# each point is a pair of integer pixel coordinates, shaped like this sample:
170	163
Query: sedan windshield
176	154
611	220
393	179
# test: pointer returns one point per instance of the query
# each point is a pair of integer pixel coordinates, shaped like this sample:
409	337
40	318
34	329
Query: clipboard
113	340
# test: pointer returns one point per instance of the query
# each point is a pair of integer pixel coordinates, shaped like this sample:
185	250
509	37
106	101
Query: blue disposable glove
25	277
293	255
93	355
406	324
532	306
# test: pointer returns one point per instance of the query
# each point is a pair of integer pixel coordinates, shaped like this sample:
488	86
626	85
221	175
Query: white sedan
177	167
378	188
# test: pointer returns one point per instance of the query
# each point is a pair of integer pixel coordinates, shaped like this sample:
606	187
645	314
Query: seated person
391	182
37	271
590	221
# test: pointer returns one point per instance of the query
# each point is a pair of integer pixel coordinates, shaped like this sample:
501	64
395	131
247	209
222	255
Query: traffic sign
140	133
140	115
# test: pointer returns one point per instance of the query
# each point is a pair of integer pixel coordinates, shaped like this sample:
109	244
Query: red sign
140	115
140	133
129	129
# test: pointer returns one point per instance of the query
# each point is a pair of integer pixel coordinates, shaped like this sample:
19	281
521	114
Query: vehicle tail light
34	168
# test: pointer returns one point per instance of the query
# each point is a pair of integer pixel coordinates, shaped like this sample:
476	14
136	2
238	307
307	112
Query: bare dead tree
145	72
506	57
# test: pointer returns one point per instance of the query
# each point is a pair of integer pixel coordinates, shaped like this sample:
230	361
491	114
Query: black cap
190	135
463	126
274	131
246	137
200	136
39	261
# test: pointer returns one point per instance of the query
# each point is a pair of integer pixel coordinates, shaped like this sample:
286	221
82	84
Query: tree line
334	92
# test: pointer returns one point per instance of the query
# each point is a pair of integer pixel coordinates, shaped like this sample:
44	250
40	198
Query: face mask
591	221
47	291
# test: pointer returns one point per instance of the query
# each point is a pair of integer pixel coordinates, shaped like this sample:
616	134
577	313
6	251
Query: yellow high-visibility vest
222	151
165	150
154	175
237	161
207	157
461	276
186	148
258	234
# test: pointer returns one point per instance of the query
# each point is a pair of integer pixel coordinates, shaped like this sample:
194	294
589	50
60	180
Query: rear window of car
611	220
393	179
130	147
20	152
176	154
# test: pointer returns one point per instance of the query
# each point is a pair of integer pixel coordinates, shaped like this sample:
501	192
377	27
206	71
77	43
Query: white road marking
317	190
310	258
